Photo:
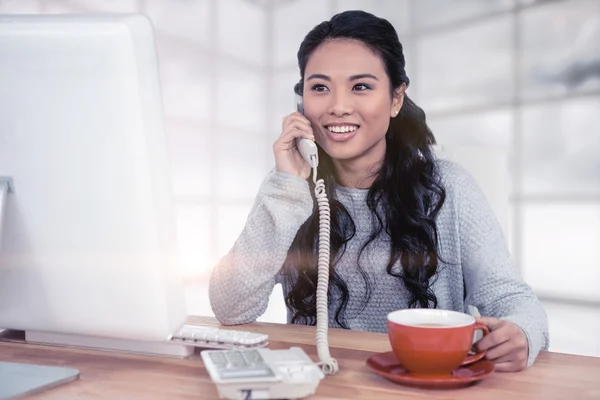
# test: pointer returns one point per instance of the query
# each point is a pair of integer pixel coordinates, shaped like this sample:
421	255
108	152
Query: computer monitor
88	234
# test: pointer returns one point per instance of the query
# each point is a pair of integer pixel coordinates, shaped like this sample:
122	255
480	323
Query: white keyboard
219	338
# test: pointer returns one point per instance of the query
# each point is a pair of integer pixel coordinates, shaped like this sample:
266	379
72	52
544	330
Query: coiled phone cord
328	364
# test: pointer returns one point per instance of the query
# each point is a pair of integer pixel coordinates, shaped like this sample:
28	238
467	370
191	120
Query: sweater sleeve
241	283
492	282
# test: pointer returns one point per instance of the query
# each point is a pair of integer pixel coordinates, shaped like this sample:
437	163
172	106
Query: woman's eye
361	87
319	88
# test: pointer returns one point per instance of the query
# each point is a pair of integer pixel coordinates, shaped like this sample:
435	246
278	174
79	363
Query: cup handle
477	356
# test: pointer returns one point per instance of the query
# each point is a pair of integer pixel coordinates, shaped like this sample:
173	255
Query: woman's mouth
341	133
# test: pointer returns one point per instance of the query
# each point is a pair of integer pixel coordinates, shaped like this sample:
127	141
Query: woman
407	230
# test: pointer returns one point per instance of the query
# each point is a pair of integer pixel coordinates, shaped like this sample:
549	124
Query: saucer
388	366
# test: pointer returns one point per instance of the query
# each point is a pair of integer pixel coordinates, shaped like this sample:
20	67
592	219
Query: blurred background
521	75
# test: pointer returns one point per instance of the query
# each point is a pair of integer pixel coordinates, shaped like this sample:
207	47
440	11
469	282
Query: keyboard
219	338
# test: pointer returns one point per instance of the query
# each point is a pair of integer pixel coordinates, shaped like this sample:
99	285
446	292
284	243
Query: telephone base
262	373
165	349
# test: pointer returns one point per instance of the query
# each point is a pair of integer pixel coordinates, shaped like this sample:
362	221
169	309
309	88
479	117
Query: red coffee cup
433	342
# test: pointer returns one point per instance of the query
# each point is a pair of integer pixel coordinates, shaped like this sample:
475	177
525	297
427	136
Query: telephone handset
307	147
309	151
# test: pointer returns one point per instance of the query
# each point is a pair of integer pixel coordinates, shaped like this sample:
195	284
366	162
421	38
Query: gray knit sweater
478	270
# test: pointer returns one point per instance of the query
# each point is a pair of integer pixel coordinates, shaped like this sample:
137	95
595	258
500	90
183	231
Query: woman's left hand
506	345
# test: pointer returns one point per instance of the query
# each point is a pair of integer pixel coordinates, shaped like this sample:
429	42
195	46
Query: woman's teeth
342	129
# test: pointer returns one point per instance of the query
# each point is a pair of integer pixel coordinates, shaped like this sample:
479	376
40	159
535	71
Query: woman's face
347	100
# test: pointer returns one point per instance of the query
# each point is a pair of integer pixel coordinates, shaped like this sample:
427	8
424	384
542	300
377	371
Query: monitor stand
166	349
170	349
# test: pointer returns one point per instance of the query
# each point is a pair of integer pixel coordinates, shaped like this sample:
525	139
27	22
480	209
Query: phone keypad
240	364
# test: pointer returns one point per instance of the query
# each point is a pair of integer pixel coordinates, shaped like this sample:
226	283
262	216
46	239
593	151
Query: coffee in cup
431	341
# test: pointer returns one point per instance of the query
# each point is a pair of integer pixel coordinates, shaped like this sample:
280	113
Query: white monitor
87	234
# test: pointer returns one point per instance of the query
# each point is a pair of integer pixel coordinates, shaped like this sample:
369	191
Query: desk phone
262	373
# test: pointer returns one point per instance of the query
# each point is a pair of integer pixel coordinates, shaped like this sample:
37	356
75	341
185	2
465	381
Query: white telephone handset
307	148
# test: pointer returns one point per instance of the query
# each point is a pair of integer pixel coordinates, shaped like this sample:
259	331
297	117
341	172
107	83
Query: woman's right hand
287	157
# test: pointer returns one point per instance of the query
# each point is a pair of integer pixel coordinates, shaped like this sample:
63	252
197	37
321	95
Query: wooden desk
116	376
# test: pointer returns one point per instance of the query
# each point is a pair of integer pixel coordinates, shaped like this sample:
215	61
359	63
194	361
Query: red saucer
388	366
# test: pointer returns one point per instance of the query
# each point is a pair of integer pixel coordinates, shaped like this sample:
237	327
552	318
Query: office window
282	98
20	6
560	148
560	49
240	96
105	5
193	235
240	164
241	28
491	128
185	83
467	67
430	13
291	22
560	249
181	19
190	157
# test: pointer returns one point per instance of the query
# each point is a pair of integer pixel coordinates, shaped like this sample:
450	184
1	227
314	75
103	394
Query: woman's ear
397	100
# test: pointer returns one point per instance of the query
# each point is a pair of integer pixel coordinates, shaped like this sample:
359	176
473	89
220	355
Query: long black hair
407	188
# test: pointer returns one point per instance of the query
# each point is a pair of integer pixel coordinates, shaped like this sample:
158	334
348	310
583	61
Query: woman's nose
340	105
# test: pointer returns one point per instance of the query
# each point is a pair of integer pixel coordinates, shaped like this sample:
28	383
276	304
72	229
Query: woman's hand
506	345
287	157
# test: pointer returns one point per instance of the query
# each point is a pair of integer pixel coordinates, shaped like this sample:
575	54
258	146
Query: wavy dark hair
406	189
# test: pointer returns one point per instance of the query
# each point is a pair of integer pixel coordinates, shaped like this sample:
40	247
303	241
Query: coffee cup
431	341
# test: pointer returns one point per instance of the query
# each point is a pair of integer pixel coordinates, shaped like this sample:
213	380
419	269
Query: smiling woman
347	96
407	230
